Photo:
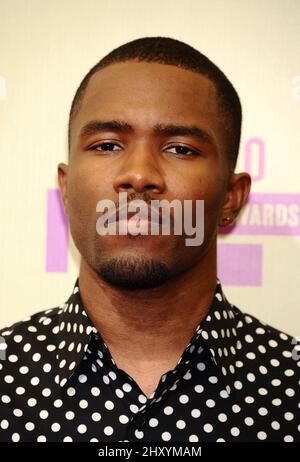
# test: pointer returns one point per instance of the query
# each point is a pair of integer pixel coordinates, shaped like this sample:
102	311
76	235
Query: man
147	347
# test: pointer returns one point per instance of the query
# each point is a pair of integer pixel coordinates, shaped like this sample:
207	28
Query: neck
154	324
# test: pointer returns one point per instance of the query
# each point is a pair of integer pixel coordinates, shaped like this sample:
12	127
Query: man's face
147	165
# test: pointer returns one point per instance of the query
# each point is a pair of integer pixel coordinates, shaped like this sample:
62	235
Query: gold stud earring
226	220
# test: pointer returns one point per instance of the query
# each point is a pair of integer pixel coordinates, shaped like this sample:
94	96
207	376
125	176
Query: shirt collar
74	331
217	332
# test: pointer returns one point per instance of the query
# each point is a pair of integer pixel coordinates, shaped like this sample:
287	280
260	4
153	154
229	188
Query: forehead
147	93
149	83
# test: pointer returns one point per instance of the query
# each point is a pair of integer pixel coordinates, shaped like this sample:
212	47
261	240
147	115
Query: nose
139	172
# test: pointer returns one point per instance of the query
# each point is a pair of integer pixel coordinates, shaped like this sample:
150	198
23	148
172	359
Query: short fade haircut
166	50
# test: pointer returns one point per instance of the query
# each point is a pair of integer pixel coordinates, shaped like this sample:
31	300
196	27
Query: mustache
145	197
154	213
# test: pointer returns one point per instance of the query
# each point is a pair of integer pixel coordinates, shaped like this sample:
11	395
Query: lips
123	214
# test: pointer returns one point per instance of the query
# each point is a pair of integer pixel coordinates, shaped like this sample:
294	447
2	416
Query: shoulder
33	324
29	339
252	328
273	351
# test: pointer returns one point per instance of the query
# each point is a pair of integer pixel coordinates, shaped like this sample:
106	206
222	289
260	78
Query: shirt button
138	421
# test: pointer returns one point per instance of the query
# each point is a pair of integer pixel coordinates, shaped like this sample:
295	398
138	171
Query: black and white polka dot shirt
237	380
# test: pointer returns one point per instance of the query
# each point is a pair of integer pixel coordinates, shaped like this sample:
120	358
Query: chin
133	272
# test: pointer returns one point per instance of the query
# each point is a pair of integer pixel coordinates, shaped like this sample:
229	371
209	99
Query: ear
62	176
238	189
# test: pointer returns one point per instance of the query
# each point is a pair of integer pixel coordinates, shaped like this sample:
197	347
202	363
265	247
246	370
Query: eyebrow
98	126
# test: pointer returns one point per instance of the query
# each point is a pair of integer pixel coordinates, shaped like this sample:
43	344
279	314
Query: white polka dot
123	419
222	417
183	399
134	408
276	382
261	435
9	379
23	370
180	424
262	411
166	436
195	413
31	402
4	424
289	372
168	410
201	366
127	387
109	405
249	421
208	428
20	390
275	425
290	392
153	422
263	370
235	431
238	385
55	427
251	377
71	391
15	437
142	399
41	439
44	414
210	403
198	388
35	381
47	367
193	438
139	434
263	391
57	403
81	428
119	393
29	426
46	392
95	391
83	403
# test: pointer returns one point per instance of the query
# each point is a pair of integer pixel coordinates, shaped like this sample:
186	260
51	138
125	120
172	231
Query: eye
104	147
183	151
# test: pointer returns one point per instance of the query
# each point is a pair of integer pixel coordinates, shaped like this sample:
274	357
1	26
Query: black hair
166	50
